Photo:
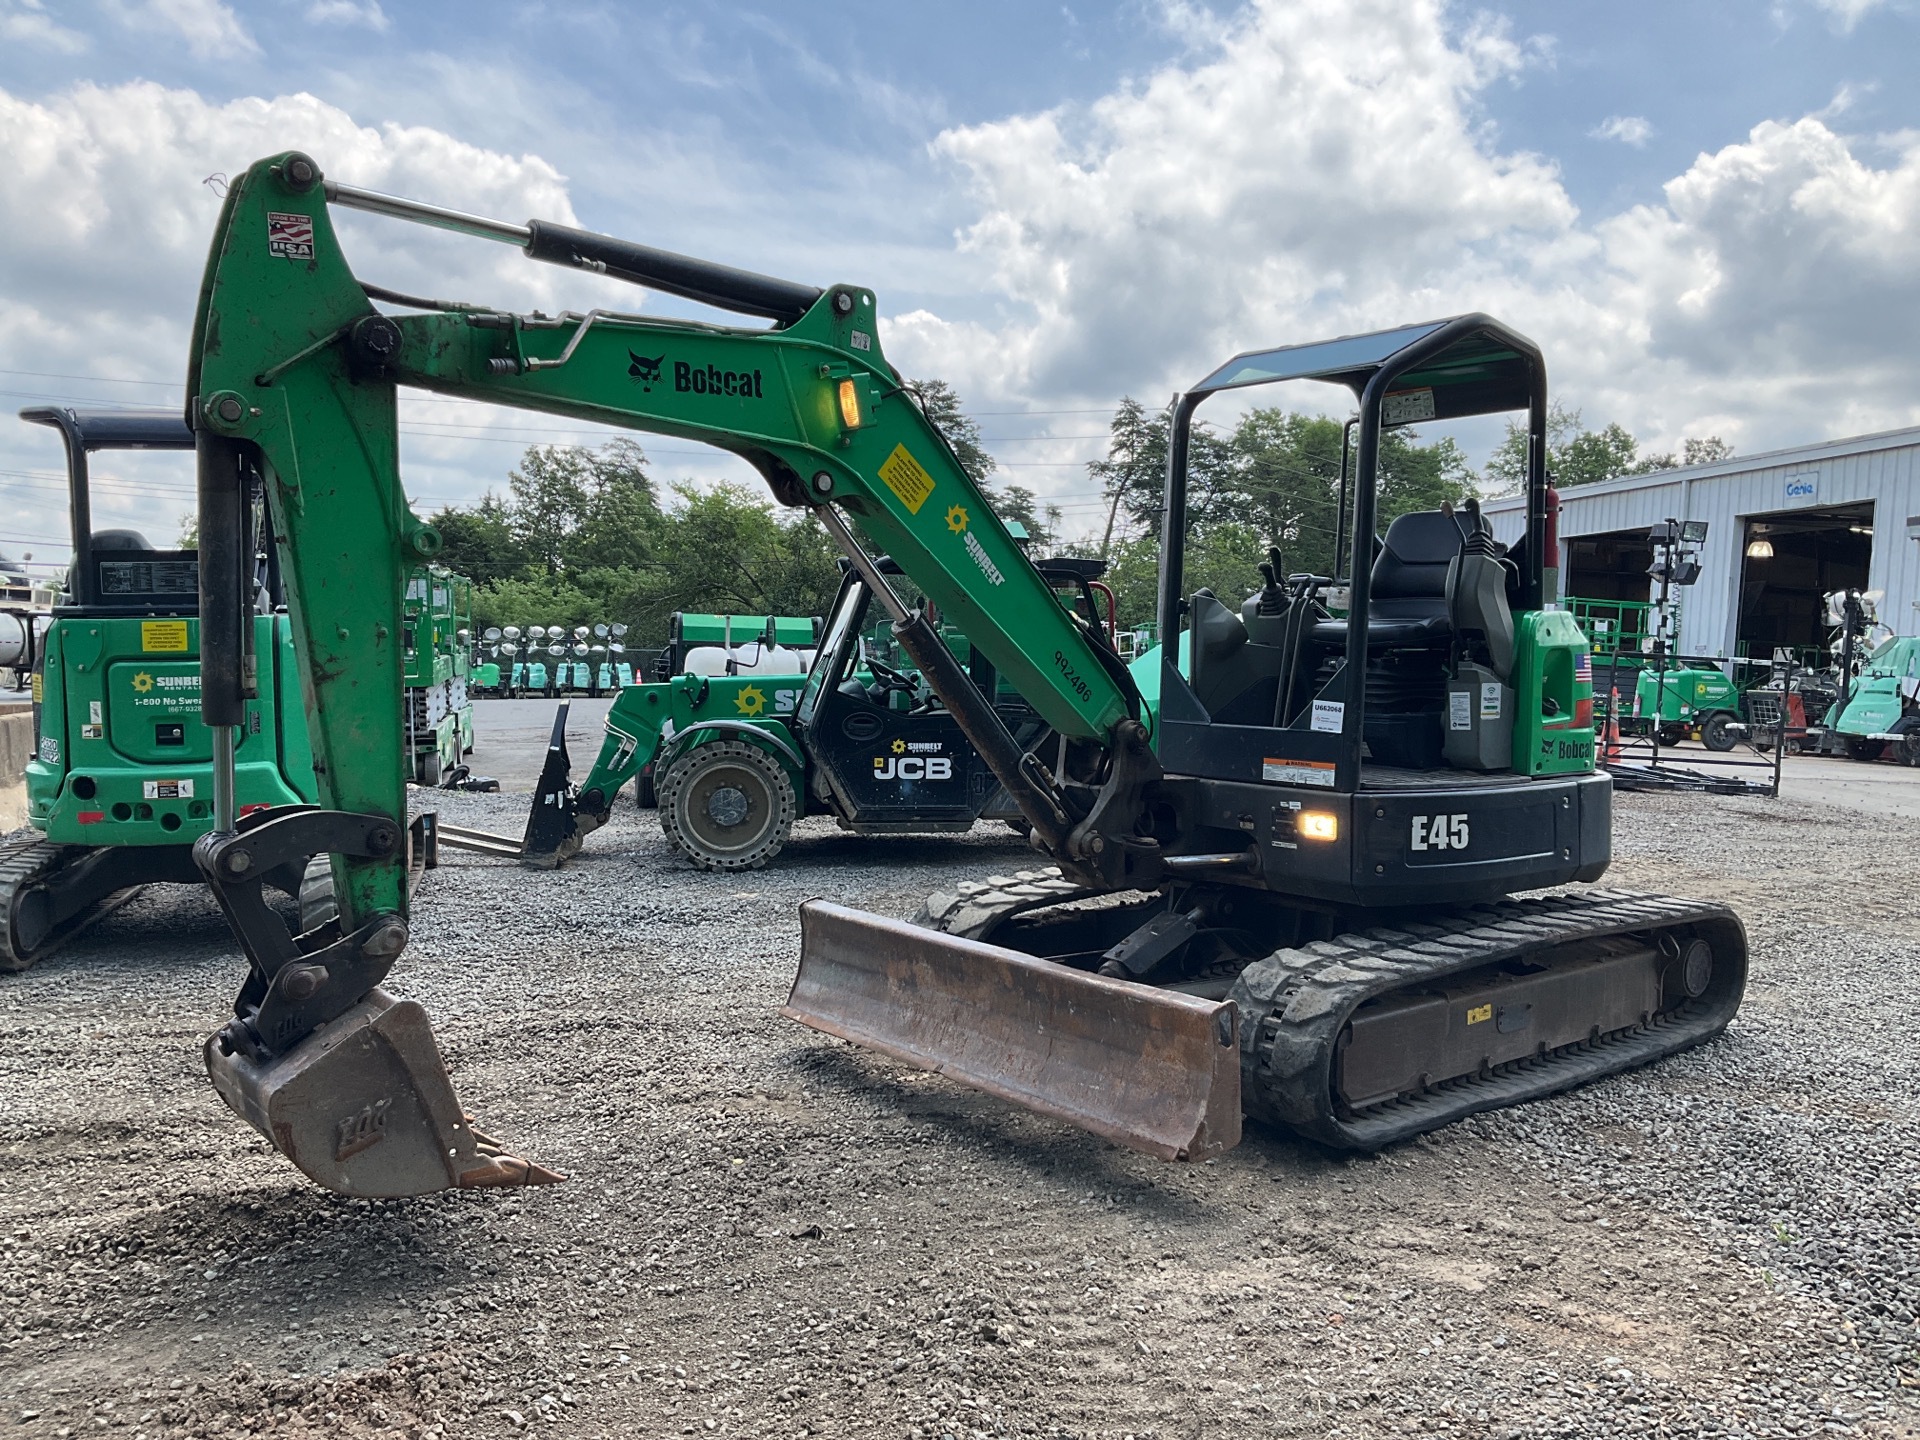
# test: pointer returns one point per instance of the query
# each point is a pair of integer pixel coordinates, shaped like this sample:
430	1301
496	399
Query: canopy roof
1481	368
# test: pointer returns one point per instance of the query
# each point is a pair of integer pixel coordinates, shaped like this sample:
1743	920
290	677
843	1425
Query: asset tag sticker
289	236
907	478
162	635
167	789
1459	711
1489	700
1329	716
1297	772
1403	407
862	340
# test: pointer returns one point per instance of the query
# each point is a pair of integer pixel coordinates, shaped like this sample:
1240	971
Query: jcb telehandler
733	760
1300	846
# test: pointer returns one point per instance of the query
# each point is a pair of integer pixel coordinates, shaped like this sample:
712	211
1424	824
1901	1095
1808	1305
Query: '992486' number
1080	687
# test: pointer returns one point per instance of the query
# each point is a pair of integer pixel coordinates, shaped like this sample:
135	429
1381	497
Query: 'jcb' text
912	767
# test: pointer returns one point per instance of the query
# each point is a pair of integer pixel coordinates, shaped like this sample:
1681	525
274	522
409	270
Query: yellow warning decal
39	686
163	635
1479	1013
907	478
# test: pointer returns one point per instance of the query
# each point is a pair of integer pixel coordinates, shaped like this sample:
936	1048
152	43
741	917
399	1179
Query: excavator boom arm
813	406
293	385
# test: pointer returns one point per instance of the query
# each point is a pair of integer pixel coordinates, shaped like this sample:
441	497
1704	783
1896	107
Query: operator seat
1407	609
120	540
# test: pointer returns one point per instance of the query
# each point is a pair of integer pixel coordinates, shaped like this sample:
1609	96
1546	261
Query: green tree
533	600
1579	456
480	543
1705	450
942	408
1132	477
1286	475
1019	505
575	507
1419	477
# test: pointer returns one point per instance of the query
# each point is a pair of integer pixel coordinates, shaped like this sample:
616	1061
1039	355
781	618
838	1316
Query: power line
103	379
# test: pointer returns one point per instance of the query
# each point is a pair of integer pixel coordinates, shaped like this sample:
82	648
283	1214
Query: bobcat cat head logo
647	372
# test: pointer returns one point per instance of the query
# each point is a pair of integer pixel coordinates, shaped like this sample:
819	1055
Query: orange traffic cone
1611	754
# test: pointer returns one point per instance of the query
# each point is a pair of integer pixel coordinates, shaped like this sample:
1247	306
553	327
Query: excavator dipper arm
294	373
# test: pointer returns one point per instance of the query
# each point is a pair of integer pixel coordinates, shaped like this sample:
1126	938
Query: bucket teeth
495	1168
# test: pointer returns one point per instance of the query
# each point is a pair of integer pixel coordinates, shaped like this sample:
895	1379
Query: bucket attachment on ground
553	834
363	1106
1151	1069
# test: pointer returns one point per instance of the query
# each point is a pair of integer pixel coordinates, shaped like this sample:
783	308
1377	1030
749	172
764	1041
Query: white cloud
1848	13
1324	166
1324	156
104	229
26	22
212	31
349	12
1634	130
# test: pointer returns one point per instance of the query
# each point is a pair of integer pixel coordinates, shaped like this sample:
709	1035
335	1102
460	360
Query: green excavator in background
1280	856
121	781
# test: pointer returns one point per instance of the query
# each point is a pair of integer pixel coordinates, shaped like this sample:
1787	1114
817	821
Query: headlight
1318	825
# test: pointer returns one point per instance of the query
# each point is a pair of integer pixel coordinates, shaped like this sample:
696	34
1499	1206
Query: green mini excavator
1279	859
120	783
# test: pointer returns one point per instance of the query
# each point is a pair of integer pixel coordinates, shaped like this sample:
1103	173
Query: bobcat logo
646	371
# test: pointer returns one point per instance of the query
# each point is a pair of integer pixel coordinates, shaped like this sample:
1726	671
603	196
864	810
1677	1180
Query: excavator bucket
363	1106
1152	1069
553	830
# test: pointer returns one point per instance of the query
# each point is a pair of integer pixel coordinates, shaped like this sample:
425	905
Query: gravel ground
767	1233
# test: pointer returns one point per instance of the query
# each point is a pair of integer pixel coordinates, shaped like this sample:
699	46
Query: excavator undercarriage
1353	1037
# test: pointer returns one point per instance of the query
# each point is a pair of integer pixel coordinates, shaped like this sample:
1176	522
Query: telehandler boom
1265	854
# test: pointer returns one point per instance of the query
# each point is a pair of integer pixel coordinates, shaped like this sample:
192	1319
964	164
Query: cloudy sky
1706	211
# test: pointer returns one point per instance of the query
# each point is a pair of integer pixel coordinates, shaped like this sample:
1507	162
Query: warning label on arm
907	478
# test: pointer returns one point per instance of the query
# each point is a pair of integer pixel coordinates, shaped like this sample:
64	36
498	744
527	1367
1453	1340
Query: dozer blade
363	1106
1151	1069
553	829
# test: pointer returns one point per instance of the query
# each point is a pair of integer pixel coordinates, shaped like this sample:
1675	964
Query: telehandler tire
727	805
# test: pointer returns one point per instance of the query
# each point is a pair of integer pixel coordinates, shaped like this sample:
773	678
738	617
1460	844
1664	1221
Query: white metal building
1783	529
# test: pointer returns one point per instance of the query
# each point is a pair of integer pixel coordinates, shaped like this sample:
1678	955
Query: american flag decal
290	236
1583	667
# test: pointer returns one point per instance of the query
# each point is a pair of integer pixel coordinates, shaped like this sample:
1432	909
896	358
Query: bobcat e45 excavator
1282	863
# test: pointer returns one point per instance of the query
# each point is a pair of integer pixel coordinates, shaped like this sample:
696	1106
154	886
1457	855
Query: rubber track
1295	1003
976	908
22	862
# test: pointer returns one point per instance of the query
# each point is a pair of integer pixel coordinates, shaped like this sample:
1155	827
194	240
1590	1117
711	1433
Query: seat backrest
1413	559
1477	606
